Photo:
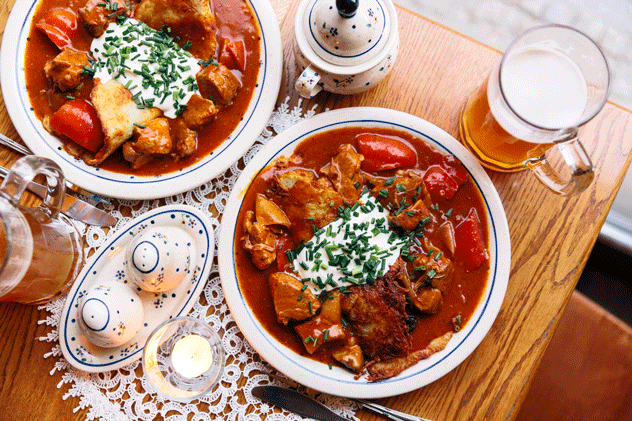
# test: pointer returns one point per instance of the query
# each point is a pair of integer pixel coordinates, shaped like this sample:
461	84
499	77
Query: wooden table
551	237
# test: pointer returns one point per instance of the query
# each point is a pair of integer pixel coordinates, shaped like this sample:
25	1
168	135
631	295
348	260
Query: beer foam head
544	87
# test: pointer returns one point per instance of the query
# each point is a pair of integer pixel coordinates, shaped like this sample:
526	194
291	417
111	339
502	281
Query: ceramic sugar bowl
160	258
344	46
110	314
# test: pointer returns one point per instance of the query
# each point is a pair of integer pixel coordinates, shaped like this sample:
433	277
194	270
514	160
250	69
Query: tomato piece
77	119
470	248
283	244
234	55
384	153
60	25
439	183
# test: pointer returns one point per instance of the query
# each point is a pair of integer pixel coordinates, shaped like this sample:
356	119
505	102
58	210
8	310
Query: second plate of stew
138	100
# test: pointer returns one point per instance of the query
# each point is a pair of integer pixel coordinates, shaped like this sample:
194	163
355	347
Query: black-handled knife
296	402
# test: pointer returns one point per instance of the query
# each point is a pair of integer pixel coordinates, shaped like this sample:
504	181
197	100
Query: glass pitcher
41	251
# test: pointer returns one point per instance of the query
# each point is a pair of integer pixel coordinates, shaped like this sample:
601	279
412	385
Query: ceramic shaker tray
108	264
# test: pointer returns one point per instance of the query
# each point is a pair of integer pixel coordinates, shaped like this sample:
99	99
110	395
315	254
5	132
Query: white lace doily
122	394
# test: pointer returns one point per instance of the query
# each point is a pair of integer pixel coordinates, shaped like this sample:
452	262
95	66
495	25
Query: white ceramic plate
339	381
126	186
107	265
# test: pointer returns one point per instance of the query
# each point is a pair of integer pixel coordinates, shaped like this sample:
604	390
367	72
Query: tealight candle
192	356
183	358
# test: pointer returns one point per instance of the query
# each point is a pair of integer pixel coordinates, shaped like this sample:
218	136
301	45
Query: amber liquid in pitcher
56	259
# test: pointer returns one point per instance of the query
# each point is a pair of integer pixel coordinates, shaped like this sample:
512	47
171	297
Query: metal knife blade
296	402
73	207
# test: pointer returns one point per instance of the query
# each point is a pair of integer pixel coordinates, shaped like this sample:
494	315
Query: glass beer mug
551	80
41	251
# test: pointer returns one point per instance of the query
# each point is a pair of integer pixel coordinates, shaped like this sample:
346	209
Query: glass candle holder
183	358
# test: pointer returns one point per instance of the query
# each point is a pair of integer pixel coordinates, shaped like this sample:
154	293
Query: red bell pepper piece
60	25
234	55
77	119
384	153
439	183
470	248
454	168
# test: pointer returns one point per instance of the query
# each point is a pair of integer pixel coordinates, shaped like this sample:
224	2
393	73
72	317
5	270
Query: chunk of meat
97	15
377	314
180	16
429	300
344	172
150	140
305	197
65	70
199	112
325	328
350	354
119	114
439	270
219	83
283	162
184	139
261	238
409	218
260	241
291	300
269	214
422	296
402	190
382	370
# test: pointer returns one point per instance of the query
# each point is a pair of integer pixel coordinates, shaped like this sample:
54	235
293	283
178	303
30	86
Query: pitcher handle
578	162
24	171
307	83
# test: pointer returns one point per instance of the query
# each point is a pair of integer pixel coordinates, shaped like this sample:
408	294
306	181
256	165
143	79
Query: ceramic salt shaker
159	258
344	46
110	314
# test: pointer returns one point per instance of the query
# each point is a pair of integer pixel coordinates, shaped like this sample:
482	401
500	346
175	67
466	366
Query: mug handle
578	162
24	171
307	83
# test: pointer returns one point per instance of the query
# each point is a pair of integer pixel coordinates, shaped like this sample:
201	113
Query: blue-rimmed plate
338	381
107	264
126	186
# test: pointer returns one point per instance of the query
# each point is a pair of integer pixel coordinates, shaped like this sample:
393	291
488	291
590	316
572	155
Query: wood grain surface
551	236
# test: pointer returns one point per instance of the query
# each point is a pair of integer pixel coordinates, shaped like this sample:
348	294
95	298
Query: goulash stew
144	87
365	249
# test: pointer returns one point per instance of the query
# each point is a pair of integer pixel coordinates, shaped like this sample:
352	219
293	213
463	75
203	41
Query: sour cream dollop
356	248
149	63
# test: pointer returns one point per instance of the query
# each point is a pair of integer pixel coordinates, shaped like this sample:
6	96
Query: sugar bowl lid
345	32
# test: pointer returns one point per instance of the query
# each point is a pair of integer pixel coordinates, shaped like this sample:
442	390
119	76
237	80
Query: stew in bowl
359	253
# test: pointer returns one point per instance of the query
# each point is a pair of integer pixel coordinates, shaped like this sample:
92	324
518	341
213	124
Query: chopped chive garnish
152	57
